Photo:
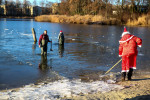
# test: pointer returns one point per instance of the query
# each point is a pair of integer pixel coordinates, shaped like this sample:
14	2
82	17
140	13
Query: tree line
120	9
18	8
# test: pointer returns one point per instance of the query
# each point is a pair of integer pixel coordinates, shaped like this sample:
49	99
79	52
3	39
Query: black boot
123	74
130	74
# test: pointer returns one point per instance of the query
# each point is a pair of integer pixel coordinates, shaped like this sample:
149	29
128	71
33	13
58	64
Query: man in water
43	40
61	38
128	52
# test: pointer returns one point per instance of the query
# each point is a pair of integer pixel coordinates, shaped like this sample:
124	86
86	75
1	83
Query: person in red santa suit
128	52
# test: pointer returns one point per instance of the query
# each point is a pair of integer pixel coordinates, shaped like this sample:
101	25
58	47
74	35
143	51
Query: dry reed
143	20
77	19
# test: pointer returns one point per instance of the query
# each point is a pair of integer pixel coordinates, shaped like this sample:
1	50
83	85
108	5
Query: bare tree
64	7
18	3
147	3
18	9
0	2
48	6
26	9
86	5
34	3
6	2
42	3
25	3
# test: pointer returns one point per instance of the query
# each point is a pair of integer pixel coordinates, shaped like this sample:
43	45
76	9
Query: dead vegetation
143	20
77	19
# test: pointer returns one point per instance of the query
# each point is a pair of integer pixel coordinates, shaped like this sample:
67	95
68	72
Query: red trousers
128	62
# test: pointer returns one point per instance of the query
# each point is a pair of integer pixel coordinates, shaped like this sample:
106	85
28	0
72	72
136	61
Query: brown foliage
77	19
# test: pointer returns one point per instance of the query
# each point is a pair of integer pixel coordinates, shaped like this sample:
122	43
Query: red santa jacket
45	37
128	45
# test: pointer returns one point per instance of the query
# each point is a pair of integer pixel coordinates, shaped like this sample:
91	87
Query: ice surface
6	29
140	54
26	34
58	89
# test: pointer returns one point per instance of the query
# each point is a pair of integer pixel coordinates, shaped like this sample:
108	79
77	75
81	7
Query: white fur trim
133	67
140	46
126	40
124	33
125	71
120	55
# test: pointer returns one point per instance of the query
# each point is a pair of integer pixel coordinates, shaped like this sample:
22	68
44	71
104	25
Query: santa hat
60	31
125	32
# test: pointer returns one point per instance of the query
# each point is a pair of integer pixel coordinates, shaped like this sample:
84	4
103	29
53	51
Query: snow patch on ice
23	34
94	42
111	81
140	54
6	29
58	89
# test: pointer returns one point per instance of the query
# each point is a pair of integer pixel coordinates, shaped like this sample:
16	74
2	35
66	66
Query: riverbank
17	17
143	20
137	89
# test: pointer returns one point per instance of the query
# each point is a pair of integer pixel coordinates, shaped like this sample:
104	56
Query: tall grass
76	19
143	20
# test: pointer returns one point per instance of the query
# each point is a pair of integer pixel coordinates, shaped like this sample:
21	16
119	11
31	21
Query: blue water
88	49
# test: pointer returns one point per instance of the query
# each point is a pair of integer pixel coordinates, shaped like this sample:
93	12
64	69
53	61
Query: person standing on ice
61	38
43	40
128	52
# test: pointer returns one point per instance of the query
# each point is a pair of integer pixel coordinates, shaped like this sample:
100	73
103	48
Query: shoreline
143	20
137	89
17	17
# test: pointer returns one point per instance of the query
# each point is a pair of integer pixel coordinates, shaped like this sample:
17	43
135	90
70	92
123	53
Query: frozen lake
89	50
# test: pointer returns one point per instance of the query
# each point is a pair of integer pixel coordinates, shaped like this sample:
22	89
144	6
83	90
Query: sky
45	0
38	1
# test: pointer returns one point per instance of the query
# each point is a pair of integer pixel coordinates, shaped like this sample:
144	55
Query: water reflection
43	65
61	50
34	47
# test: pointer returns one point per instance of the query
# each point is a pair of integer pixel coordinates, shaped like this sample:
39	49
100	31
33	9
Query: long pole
113	66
